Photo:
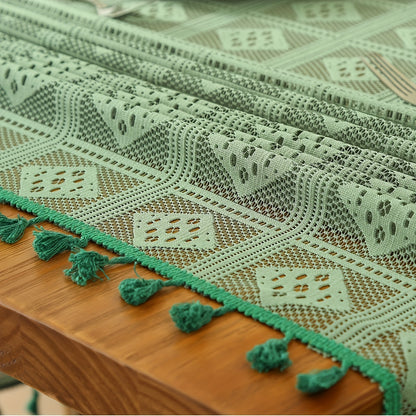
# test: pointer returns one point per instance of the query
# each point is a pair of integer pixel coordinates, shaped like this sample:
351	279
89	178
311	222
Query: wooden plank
93	352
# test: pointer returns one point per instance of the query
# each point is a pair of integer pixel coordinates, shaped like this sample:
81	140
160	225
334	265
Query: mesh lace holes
301	288
322	278
369	217
113	113
243	175
172	230
248	151
254	169
329	297
384	207
233	160
379	234
392	228
132	120
301	277
13	86
37	189
406	222
122	127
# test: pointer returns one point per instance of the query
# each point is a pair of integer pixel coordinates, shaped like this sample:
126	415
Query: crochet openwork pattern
241	149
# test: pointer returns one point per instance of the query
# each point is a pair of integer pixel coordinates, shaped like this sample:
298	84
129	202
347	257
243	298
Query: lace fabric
245	144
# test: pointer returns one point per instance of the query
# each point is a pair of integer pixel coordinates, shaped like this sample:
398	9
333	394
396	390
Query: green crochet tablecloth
241	148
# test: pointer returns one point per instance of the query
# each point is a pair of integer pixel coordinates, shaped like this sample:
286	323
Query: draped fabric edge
367	367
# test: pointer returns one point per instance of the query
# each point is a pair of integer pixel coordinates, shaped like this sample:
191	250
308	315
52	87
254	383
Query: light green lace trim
372	370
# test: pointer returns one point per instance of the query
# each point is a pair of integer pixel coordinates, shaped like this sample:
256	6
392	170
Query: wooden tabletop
93	352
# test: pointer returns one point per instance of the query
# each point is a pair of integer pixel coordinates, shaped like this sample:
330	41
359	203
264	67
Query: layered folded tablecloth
241	148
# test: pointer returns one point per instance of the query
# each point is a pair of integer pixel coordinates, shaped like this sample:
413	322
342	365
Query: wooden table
93	352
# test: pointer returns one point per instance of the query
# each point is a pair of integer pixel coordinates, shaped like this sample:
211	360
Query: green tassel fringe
270	355
137	291
86	264
49	243
318	381
12	229
32	406
189	317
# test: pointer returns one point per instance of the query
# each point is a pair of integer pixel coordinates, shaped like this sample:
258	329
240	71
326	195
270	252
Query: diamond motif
154	229
127	124
315	287
59	182
386	223
165	11
19	83
316	11
250	168
348	69
252	39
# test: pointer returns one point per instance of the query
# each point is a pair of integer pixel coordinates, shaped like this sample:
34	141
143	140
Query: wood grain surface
93	352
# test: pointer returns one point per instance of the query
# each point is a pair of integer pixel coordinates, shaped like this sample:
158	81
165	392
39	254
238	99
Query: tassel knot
12	229
49	243
85	265
318	381
137	291
189	317
270	355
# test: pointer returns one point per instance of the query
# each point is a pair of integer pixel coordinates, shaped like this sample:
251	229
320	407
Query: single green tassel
317	381
12	229
189	317
270	355
49	243
86	264
32	406
137	291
